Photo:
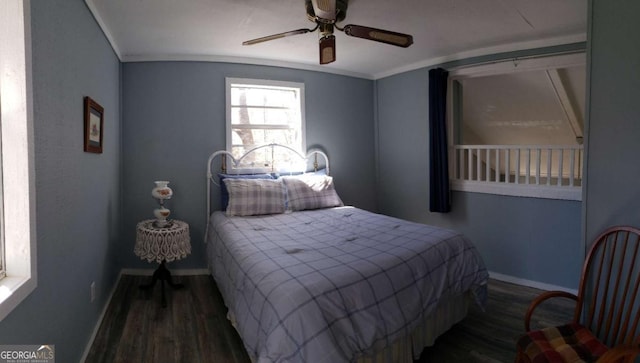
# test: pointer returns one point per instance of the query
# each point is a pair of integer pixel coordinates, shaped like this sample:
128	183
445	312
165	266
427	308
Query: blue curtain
439	196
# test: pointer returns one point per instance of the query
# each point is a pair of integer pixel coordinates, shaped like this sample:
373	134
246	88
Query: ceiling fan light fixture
327	49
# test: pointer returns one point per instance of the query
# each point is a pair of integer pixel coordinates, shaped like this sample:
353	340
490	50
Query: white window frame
264	83
16	126
503	67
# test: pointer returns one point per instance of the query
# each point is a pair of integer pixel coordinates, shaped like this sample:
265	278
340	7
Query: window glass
17	176
262	112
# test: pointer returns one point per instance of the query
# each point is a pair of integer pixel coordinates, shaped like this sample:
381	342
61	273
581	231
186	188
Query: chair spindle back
609	291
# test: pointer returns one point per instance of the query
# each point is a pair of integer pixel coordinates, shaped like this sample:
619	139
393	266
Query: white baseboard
530	283
136	272
99	322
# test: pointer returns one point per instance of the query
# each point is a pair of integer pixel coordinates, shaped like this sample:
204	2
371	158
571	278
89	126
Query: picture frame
93	126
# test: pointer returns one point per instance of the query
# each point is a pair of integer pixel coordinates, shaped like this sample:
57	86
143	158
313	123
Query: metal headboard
271	168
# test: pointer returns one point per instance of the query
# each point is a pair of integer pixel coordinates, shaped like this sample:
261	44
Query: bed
312	280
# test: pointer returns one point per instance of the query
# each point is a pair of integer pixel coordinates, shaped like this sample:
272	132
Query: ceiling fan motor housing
340	6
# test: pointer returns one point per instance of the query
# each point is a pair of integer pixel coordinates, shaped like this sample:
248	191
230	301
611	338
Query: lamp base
163	224
163	274
161	214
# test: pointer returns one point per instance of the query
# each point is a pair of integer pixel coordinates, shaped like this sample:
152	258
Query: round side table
162	245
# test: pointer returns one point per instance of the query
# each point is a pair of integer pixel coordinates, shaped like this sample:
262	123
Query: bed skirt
407	349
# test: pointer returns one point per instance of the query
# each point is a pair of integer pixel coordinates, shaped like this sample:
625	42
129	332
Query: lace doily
167	243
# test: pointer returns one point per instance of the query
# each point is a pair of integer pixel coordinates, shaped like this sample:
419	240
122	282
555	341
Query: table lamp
161	192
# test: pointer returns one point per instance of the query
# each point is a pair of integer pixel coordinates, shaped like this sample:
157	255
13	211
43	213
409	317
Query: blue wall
174	118
613	132
77	194
526	238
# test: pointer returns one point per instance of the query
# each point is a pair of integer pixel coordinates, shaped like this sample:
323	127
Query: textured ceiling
443	30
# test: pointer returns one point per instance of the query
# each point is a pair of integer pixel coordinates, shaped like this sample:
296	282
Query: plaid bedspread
332	284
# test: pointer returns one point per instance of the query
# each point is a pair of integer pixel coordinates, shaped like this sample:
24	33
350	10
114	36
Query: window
16	133
516	127
262	112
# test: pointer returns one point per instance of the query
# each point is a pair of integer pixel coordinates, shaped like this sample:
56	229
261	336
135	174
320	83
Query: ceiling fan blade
327	49
277	36
325	9
379	35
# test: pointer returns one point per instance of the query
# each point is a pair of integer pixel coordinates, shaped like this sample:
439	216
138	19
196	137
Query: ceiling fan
326	14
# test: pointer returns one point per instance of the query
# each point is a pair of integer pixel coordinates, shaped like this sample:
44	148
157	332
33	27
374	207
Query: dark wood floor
193	327
490	336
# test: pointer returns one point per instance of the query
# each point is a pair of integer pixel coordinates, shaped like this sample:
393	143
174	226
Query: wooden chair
605	322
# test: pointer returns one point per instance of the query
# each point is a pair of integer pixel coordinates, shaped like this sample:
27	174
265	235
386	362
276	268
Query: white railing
547	171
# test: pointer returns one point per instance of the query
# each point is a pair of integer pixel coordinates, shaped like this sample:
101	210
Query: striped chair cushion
562	344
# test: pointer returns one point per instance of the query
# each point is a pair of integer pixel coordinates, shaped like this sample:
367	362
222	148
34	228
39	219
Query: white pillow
249	197
311	191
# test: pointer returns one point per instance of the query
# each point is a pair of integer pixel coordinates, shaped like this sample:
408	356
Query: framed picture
93	126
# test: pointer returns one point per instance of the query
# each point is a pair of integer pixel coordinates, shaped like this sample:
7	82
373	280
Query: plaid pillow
249	197
224	193
311	191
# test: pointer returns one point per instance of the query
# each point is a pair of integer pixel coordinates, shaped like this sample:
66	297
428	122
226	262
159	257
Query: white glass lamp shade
162	191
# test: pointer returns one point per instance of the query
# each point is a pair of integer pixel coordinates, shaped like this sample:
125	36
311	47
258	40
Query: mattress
336	284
